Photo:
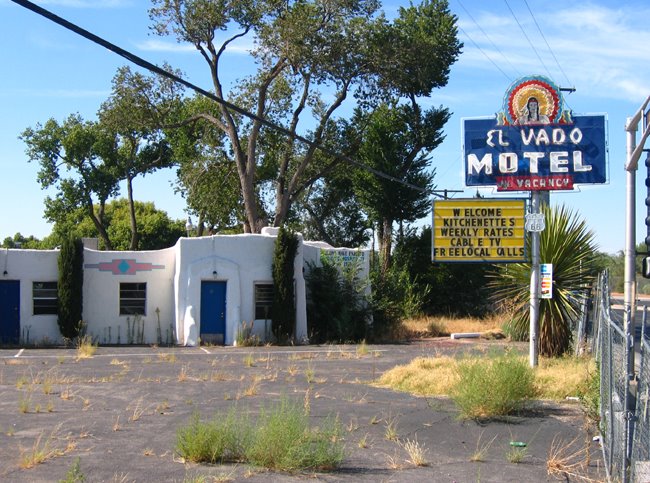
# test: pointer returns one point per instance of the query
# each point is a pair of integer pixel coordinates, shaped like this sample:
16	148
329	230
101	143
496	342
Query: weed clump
220	440
280	439
493	387
85	347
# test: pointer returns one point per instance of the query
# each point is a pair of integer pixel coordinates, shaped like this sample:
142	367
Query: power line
547	44
485	54
488	38
157	70
523	31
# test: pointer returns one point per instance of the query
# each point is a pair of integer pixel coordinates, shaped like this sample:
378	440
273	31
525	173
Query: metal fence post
610	401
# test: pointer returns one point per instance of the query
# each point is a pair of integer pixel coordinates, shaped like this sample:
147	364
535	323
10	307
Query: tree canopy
77	158
311	56
396	140
156	230
86	160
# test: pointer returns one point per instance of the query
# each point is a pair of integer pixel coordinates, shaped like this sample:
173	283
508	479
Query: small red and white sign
534	183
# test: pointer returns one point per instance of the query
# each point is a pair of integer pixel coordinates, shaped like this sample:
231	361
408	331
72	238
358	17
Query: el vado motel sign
534	144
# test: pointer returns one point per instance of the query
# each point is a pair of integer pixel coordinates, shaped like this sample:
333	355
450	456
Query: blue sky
599	47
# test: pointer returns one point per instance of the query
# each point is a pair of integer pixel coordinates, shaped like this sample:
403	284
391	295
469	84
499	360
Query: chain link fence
624	392
641	440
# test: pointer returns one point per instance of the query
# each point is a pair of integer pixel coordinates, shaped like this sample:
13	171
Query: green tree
207	176
397	140
303	49
76	158
568	244
20	241
283	309
448	288
156	230
70	288
131	115
331	213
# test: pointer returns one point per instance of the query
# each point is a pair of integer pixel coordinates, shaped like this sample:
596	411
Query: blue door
9	311
213	312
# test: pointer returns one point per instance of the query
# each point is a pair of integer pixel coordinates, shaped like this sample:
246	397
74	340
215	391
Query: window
133	298
263	300
45	298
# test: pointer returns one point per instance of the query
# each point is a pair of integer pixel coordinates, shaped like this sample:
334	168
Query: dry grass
390	432
417	452
167	357
561	377
252	390
41	450
481	449
364	442
440	326
516	455
85	347
568	461
423	376
362	349
138	408
555	379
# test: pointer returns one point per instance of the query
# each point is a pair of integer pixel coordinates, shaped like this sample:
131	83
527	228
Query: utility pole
534	284
629	285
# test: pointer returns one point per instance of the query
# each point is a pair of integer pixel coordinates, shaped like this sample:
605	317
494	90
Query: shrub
70	287
395	296
491	387
283	310
337	308
445	288
568	244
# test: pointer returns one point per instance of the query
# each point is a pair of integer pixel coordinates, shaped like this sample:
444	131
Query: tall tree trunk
385	243
134	227
98	222
200	226
253	223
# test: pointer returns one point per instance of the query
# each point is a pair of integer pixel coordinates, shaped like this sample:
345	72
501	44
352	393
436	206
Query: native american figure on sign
533	101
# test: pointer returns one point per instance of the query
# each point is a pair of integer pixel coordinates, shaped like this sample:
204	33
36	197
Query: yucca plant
568	244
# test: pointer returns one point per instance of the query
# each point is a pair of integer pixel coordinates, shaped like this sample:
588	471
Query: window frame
132	288
45	308
263	300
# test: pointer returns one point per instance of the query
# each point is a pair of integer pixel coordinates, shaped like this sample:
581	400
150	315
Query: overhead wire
489	38
176	78
523	31
485	54
547	44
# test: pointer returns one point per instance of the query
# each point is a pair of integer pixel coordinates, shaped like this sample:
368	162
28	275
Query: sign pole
633	154
534	283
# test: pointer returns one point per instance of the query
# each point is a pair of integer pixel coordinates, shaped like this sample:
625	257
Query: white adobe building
200	290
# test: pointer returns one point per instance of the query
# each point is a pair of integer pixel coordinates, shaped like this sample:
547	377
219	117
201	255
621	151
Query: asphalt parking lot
117	414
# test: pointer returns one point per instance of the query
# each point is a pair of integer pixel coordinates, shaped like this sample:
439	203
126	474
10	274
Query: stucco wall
103	273
173	279
28	266
240	261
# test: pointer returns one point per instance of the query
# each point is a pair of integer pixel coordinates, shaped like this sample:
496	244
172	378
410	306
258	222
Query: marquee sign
478	230
535	143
